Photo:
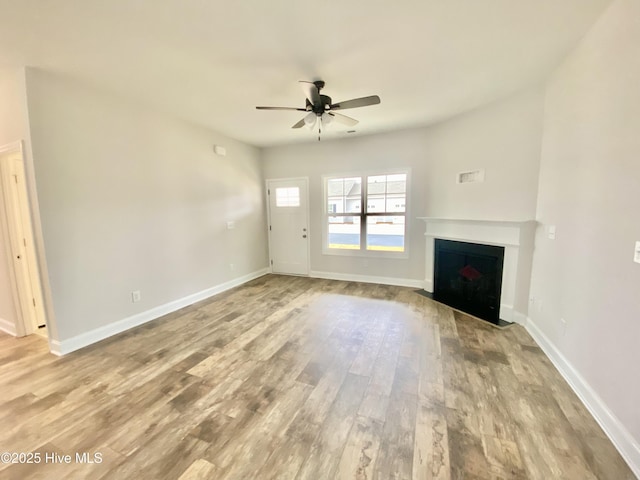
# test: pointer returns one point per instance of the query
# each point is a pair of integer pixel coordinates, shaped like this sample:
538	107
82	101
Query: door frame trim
308	213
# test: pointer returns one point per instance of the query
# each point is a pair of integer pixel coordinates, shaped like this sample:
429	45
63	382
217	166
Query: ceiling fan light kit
327	118
322	110
310	119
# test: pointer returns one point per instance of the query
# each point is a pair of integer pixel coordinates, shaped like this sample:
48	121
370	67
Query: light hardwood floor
289	377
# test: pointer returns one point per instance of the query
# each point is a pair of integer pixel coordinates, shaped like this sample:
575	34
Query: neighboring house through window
366	213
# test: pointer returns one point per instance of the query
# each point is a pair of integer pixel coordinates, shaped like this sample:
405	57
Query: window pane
288	197
386	233
396	203
397	183
375	203
344	195
353	194
335	187
344	233
376	184
386	193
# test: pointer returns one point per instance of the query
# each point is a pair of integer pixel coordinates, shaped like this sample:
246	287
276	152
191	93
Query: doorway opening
17	229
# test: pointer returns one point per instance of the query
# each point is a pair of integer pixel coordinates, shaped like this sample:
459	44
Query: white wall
13	128
368	154
590	190
503	138
131	199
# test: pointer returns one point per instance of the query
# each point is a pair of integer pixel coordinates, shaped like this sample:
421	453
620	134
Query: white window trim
366	253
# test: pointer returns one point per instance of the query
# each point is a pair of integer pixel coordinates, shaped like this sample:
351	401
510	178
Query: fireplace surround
515	237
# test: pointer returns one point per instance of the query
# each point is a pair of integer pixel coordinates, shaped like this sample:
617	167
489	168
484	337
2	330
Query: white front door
289	226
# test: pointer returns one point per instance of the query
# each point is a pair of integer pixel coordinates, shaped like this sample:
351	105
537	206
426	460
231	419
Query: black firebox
468	276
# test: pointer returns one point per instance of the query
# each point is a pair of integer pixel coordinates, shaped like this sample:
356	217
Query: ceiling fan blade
350	122
356	102
299	124
282	108
311	92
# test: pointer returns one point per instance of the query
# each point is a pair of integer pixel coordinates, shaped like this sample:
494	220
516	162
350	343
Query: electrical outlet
636	253
551	232
563	324
232	267
231	225
135	296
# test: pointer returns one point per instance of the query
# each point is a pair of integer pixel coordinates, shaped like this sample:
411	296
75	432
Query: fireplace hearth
468	277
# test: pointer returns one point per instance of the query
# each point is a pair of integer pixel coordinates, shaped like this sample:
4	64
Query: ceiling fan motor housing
320	107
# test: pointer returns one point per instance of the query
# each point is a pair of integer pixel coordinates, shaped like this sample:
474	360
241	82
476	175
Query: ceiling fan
321	110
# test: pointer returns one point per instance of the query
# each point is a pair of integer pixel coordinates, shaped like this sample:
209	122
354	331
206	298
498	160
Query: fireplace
516	240
468	276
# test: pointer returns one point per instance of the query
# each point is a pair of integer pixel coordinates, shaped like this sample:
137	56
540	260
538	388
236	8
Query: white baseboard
8	327
506	312
56	348
519	318
349	277
628	447
510	314
84	339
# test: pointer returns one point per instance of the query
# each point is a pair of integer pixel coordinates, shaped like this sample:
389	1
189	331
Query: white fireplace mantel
517	239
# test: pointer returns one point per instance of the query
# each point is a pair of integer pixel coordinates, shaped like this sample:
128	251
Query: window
366	213
288	197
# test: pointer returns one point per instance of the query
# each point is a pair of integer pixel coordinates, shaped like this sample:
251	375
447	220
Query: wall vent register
472	176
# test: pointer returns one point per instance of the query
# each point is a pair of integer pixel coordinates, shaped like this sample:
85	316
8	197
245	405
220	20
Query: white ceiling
211	62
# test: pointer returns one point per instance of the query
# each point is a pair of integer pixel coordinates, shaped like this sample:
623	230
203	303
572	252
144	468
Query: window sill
365	253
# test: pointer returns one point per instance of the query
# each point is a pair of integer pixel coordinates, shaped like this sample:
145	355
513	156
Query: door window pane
288	197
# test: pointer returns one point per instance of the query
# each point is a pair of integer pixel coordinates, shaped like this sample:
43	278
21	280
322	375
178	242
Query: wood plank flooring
297	378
